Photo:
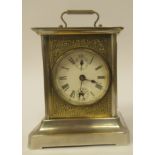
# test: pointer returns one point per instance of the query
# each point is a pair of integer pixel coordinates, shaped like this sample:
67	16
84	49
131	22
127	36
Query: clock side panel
54	46
48	91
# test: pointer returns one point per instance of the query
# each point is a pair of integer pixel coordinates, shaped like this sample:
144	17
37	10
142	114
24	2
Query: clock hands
83	78
81	93
81	86
81	63
92	81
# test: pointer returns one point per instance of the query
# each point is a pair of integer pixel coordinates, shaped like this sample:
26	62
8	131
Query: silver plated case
68	125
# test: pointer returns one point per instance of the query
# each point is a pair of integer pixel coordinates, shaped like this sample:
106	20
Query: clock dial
81	77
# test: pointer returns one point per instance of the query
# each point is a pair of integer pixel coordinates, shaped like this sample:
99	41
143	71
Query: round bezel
54	71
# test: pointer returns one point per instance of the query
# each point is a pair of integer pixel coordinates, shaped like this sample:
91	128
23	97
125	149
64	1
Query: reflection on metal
74	132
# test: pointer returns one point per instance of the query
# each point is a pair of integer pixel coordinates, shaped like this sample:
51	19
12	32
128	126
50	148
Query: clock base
79	132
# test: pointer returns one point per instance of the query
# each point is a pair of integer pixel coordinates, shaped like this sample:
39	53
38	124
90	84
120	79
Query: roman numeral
63	78
98	86
101	77
98	67
64	68
91	60
65	86
72	94
71	60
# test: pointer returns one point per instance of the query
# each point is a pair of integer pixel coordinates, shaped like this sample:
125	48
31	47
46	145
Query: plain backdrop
46	13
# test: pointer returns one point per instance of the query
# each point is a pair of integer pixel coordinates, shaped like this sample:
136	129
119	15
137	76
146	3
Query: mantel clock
80	84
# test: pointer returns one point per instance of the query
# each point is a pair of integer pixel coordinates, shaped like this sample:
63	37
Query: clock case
69	125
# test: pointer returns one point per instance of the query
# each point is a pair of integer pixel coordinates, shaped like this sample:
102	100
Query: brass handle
81	12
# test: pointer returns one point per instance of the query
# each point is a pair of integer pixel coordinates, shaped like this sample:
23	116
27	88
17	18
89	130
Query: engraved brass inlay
57	46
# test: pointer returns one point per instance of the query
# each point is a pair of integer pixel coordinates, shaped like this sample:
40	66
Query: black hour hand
81	63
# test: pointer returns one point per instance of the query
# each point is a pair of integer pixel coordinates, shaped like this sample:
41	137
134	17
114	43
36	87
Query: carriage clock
80	84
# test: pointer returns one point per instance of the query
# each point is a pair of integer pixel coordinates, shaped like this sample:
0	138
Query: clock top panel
76	30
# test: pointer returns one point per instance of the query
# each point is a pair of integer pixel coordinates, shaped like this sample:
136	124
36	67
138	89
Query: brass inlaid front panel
57	46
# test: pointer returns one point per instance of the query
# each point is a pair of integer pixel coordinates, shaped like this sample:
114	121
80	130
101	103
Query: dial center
82	77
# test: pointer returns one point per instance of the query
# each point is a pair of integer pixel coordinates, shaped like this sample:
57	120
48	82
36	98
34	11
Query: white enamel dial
81	77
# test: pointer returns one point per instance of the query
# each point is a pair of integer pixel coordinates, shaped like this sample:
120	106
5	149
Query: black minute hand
92	81
83	78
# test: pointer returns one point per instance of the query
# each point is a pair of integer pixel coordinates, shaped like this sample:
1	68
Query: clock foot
79	132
